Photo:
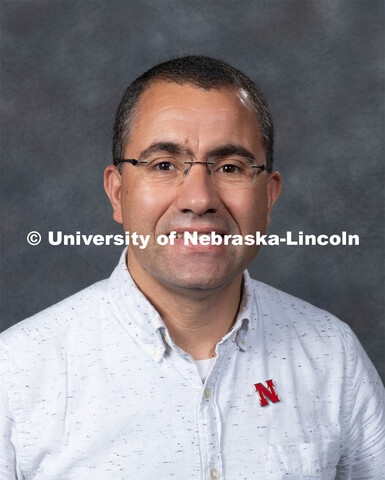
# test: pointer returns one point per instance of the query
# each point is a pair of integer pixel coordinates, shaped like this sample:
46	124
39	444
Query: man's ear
112	186
274	184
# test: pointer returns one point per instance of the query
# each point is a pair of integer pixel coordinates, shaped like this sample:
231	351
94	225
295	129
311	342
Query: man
179	365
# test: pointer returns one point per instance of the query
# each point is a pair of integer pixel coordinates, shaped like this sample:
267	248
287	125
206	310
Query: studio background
64	66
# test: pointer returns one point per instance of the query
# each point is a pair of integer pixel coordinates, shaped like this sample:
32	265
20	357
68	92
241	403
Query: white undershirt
204	367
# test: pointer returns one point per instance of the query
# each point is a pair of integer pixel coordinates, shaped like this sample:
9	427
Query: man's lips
180	233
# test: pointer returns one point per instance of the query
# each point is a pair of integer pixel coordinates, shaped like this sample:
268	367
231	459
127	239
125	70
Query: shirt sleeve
364	417
9	469
7	448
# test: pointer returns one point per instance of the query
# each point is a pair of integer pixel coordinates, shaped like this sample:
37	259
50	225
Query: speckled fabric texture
94	387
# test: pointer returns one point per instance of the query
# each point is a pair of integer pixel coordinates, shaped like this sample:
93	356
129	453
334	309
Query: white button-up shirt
95	388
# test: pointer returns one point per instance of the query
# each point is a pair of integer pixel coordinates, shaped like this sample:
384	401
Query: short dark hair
197	70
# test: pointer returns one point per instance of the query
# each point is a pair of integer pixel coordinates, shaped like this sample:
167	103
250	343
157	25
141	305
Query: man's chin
187	273
198	281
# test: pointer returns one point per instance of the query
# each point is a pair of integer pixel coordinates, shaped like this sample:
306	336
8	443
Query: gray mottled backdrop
64	65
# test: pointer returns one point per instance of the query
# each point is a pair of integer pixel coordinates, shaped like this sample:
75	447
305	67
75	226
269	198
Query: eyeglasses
229	172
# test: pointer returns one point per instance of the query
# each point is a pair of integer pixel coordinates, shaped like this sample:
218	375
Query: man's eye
229	168
164	166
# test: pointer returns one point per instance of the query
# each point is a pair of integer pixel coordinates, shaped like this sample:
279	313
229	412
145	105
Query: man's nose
197	194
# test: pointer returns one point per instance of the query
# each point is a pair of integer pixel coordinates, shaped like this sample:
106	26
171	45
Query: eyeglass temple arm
133	161
262	167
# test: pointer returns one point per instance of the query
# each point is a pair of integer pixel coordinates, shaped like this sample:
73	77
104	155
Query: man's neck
197	325
196	319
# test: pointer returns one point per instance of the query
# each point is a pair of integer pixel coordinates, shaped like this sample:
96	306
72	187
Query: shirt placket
209	420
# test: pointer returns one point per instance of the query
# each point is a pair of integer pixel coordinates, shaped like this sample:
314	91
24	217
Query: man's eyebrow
165	147
230	149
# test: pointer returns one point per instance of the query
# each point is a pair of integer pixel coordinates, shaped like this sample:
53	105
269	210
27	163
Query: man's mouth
182	235
188	233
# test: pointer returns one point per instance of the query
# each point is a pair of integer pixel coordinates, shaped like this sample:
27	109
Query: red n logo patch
268	392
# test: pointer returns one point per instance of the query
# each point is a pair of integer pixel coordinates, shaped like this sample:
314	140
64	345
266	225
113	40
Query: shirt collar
143	321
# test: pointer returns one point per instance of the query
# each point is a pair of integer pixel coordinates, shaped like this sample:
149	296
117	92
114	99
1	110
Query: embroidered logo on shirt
268	392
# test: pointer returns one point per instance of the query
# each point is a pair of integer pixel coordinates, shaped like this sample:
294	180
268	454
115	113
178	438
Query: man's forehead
161	93
197	118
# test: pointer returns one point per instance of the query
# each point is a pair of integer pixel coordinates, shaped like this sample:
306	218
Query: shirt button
208	395
243	341
156	351
214	474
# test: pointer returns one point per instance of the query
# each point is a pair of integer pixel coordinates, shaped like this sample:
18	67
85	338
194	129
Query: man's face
195	121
